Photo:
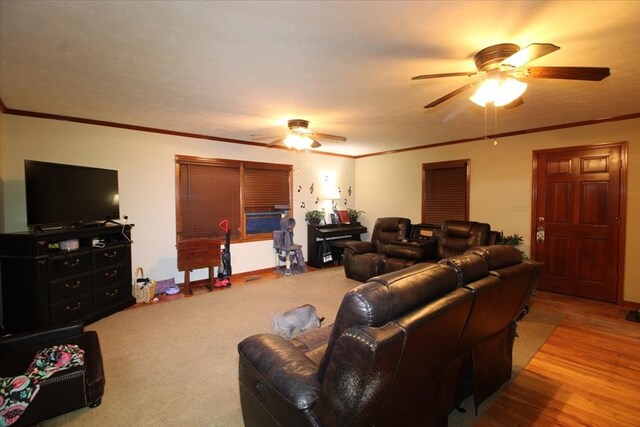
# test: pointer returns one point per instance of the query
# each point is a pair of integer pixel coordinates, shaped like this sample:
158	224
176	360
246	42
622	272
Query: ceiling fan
299	136
503	65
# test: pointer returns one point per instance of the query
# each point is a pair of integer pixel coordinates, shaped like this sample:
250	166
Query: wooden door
577	224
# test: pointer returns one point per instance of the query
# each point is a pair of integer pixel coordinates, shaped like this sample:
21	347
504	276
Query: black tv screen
65	195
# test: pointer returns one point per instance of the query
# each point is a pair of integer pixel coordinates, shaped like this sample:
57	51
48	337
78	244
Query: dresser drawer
114	292
109	275
71	308
69	287
109	256
71	264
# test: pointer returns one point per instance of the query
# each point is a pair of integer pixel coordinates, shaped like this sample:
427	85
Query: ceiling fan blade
515	103
568	73
528	54
265	135
435	76
276	142
329	136
315	144
450	95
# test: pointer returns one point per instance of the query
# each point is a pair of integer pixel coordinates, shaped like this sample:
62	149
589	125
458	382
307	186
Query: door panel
578	207
593	207
559	202
588	268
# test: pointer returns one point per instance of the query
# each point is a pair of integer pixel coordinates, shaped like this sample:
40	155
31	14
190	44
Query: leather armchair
64	391
387	251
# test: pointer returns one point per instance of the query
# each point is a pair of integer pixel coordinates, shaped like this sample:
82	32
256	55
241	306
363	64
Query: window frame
241	164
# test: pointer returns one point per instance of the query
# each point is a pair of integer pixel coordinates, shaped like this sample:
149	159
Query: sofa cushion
430	334
362	266
469	267
498	256
406	250
393	264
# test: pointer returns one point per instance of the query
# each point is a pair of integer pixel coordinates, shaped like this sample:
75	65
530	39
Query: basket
145	289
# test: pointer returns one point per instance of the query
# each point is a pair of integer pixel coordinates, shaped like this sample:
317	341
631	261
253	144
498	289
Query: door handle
540	234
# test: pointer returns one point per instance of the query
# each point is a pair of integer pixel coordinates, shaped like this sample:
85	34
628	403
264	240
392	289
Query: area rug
177	363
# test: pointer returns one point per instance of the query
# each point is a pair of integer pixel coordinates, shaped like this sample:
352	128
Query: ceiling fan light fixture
510	90
298	141
499	91
302	131
486	92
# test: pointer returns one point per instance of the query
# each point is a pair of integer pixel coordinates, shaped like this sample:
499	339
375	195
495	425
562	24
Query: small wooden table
198	253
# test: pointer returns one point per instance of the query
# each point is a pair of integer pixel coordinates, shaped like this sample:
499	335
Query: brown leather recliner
455	237
387	251
64	391
399	349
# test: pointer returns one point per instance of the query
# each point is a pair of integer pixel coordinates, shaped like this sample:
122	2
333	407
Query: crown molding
5	110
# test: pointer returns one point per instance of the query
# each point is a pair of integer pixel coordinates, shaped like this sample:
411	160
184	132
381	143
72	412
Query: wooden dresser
43	285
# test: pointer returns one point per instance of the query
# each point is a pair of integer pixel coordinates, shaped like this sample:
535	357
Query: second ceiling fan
299	136
505	63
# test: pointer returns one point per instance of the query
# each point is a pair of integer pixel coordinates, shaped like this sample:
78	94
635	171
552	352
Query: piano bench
337	248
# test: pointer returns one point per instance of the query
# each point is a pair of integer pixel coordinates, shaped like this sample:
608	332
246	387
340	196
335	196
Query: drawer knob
112	274
68	286
112	294
73	308
72	264
111	254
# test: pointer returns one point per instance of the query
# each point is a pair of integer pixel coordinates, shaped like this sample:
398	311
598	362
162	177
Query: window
445	191
250	195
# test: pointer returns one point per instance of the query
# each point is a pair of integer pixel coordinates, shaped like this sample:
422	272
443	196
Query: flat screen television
69	195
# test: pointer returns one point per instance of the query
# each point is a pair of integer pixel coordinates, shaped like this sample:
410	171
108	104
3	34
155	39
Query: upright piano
331	233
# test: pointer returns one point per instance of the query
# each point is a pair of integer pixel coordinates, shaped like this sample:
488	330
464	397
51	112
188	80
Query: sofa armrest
410	250
41	337
282	369
358	247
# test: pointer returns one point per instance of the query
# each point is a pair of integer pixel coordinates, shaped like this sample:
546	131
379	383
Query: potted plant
514	240
354	215
314	217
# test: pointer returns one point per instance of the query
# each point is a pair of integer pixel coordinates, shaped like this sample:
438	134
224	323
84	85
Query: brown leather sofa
390	248
387	251
400	350
64	391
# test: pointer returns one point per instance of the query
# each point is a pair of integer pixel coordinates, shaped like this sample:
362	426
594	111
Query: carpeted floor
177	363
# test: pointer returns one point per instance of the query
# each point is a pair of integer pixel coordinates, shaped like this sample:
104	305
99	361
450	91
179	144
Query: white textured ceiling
233	69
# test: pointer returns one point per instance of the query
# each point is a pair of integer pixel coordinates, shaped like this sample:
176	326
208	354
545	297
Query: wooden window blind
207	195
265	188
445	191
210	190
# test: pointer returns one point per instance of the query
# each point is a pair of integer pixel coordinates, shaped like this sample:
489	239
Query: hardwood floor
586	374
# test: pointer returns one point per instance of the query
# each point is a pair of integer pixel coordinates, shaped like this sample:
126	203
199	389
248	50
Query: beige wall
501	175
145	162
500	181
